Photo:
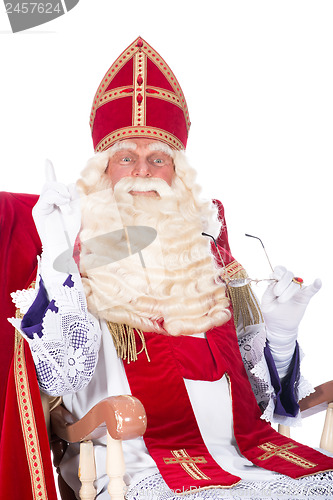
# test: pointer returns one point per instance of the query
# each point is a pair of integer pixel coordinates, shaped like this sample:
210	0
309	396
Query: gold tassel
244	302
123	337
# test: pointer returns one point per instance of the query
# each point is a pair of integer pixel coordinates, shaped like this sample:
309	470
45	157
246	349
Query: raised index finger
50	175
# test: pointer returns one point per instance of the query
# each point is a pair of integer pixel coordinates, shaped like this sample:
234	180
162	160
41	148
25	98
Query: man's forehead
151	145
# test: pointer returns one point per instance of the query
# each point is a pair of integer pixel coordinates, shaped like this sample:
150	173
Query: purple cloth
33	318
286	390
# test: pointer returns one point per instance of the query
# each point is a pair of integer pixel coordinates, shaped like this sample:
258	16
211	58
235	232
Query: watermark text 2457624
33	7
23	15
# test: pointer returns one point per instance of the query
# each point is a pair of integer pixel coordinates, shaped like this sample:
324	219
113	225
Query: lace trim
23	299
66	354
268	414
281	487
304	388
251	345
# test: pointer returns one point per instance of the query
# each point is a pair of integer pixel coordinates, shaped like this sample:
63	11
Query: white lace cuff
64	337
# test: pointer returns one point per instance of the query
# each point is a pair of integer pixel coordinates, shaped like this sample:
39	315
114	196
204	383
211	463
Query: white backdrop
258	79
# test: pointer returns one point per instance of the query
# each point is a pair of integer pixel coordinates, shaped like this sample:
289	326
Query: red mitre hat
139	96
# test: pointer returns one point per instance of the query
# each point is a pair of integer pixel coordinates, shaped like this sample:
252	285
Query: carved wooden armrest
124	417
120	418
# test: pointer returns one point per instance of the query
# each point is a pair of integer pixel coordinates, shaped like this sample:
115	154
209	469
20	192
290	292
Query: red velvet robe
26	471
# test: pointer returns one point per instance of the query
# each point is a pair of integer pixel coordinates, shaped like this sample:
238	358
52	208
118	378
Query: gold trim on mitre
149	132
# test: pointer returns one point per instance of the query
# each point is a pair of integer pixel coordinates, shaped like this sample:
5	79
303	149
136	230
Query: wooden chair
320	400
118	417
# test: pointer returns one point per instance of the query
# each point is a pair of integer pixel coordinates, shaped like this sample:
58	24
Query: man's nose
141	168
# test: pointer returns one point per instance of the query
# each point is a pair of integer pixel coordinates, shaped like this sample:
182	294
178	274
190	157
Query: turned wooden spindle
115	468
87	471
326	442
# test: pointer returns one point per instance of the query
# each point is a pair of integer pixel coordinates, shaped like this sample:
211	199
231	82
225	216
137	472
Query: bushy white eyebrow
121	145
153	146
160	146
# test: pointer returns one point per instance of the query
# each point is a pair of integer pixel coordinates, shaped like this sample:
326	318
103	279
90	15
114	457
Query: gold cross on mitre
188	463
282	451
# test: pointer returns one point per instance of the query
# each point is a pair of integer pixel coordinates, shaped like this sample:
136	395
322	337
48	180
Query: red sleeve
25	464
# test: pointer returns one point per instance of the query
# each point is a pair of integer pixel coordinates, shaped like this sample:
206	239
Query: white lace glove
283	306
57	218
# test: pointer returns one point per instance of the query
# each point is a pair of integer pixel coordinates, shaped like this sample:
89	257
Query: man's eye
158	160
126	159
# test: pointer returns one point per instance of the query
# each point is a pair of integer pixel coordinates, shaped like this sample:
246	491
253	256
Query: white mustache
127	184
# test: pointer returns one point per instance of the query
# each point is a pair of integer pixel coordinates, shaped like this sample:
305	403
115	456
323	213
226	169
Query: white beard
170	286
